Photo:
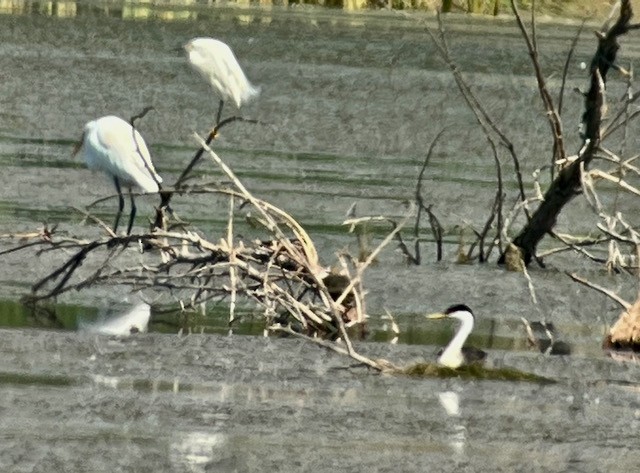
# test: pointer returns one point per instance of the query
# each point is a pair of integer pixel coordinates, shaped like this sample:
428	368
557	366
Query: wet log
568	182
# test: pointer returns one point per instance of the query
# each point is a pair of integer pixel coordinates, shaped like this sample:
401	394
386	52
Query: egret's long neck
454	349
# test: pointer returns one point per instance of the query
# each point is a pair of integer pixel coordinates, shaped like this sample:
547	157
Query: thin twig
610	294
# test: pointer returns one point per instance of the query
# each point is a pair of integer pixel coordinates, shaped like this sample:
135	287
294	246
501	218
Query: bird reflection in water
450	402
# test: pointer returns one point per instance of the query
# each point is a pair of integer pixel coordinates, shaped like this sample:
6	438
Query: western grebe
455	354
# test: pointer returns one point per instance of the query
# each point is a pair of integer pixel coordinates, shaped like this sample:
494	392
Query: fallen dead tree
280	273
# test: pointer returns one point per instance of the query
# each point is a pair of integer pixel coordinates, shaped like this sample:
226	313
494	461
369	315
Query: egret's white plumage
111	145
455	354
215	61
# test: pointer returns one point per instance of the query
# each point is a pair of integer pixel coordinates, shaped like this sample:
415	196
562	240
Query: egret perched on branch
111	145
455	354
215	61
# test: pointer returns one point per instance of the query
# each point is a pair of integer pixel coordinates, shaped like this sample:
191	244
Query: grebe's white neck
452	356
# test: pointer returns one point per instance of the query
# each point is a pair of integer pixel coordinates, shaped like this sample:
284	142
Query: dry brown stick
482	116
552	114
620	119
167	195
612	295
97	220
358	294
565	72
621	184
373	256
565	69
310	254
433	221
232	258
575	247
622	166
44	236
625	131
338	349
496	212
356	280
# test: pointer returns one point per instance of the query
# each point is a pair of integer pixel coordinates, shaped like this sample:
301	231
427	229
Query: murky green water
349	106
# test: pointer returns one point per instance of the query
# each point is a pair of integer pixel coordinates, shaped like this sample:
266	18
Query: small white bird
111	145
215	61
455	354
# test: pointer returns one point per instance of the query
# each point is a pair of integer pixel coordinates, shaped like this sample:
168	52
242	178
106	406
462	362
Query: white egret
215	61
111	145
455	354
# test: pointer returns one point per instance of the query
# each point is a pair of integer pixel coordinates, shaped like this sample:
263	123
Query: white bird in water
455	354
111	145
215	61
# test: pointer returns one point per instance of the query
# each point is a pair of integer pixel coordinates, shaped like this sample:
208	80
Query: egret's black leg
120	204
132	215
219	112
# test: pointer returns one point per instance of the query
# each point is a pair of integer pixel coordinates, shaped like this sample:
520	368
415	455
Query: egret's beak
181	48
77	146
438	315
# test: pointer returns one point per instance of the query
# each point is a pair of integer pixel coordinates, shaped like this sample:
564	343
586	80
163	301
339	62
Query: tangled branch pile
281	273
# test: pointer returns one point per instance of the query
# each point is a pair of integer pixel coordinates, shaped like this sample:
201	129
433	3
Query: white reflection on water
193	451
133	321
450	402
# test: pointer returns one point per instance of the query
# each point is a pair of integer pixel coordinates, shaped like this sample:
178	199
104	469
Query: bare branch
610	294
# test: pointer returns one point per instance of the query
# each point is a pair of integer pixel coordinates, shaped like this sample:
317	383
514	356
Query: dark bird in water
455	354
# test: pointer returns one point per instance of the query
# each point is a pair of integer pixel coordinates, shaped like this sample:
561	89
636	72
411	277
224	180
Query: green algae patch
473	371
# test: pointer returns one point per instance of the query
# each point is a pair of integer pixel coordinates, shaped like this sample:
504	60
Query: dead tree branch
568	182
552	114
487	124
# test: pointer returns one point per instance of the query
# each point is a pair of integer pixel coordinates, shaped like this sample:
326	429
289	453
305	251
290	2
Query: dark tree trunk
568	182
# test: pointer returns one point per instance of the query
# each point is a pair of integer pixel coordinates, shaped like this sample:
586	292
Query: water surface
349	106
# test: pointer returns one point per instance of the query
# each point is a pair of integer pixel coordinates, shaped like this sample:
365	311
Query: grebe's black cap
459	307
